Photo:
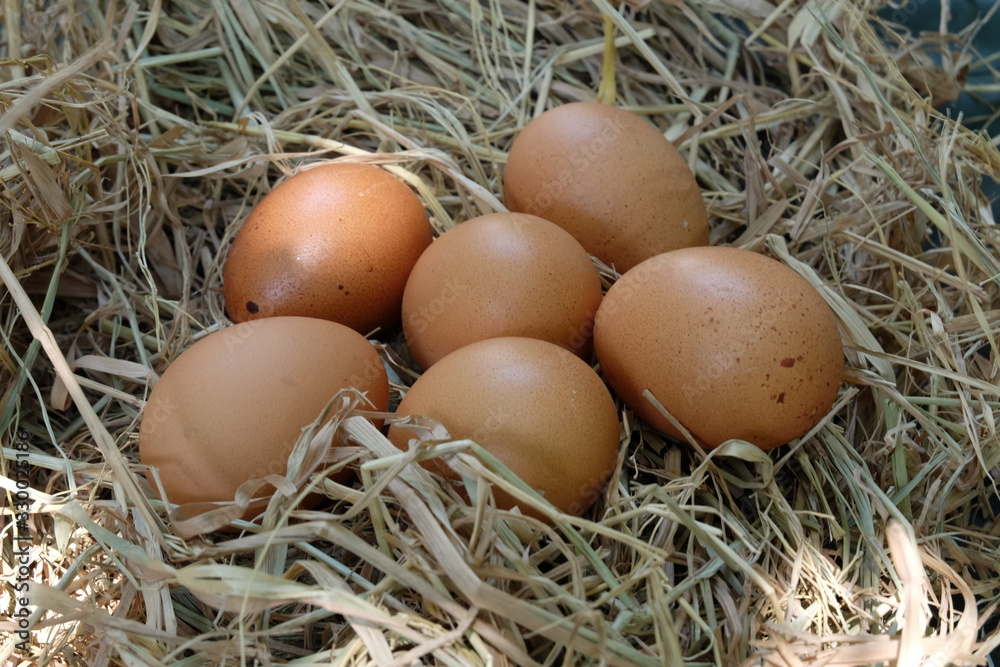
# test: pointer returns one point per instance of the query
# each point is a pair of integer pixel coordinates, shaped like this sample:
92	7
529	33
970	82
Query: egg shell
335	242
610	178
504	274
231	407
537	407
732	343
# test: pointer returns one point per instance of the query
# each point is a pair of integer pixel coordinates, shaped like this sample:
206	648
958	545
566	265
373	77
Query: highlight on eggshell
336	242
734	344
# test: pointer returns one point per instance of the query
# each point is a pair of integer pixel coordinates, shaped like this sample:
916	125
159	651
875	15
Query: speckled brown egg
231	407
732	343
538	408
505	274
335	242
610	178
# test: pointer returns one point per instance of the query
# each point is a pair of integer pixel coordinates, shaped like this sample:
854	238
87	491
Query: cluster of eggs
501	313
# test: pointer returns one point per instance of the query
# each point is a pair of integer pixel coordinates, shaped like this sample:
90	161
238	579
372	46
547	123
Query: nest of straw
136	137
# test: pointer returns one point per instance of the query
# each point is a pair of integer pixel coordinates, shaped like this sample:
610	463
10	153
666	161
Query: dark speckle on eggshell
314	232
718	377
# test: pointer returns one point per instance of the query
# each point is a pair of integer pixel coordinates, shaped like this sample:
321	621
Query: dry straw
136	136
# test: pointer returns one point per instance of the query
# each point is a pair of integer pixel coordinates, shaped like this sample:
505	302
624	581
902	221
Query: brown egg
732	343
537	407
610	178
505	274
231	407
335	242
